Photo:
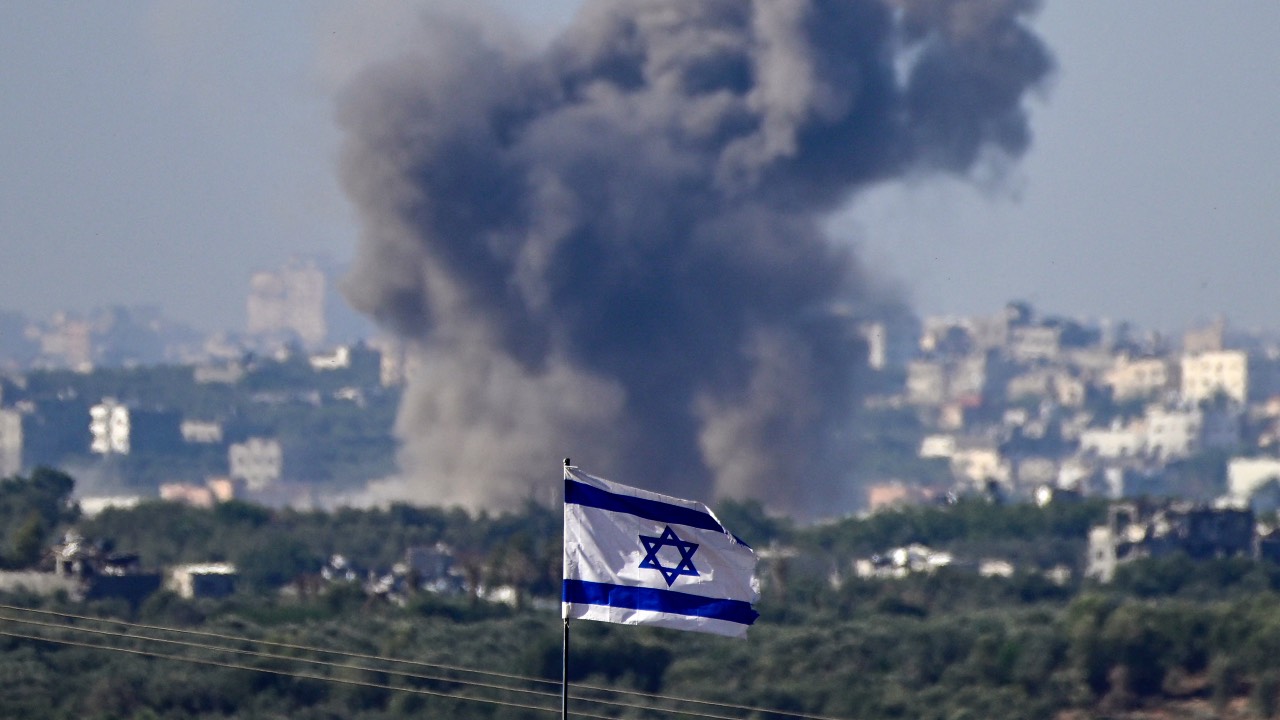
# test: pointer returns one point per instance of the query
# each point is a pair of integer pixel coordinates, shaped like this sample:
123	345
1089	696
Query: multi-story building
67	341
291	301
1206	374
1179	433
1164	434
988	333
945	336
1210	338
967	380
1035	342
117	429
926	382
1048	383
1115	442
110	428
10	443
259	462
979	463
1131	378
1139	530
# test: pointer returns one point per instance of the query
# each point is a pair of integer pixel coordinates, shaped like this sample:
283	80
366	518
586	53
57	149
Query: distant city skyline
161	153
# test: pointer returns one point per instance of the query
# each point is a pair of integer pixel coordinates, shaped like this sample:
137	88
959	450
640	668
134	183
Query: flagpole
564	673
564	646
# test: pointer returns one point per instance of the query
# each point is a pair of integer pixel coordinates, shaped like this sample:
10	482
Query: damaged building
1144	529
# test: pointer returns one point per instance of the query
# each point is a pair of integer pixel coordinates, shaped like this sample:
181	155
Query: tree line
1168	634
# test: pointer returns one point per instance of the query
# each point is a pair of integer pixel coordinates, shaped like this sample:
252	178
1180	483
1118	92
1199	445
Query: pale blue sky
160	152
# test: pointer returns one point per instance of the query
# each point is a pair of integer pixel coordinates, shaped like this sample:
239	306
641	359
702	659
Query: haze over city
160	153
959	312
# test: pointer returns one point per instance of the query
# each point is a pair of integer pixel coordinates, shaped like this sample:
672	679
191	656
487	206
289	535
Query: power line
288	658
435	666
286	673
289	646
276	656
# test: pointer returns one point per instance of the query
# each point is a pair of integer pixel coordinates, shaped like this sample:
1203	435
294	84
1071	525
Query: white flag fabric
640	558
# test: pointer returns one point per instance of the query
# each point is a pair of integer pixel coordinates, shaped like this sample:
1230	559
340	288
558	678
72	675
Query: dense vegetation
1168	633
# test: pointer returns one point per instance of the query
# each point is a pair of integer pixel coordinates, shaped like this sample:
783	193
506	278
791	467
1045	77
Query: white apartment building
1117	441
291	300
337	360
1031	343
926	382
257	461
979	464
10	443
1206	374
1054	383
937	446
1164	433
934	382
1144	377
1246	475
1180	433
110	428
205	432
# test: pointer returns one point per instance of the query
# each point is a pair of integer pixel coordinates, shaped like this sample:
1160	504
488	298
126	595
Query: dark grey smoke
612	250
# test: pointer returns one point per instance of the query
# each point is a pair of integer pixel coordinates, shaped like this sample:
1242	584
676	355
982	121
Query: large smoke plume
612	248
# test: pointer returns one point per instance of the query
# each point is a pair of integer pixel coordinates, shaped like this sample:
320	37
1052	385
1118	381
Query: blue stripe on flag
578	493
667	601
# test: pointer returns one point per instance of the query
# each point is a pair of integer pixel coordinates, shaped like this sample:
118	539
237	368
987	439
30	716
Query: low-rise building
1115	442
101	573
979	463
902	561
203	580
938	446
338	359
187	494
224	489
1246	475
1181	432
1033	343
1141	529
203	432
226	373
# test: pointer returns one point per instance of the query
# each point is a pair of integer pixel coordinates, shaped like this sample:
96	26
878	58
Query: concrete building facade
10	443
1204	375
291	300
1138	378
259	462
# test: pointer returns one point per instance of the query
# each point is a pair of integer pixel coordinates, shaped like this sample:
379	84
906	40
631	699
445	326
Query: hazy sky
160	152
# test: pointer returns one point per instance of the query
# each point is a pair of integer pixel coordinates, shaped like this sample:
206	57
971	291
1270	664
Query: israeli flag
640	558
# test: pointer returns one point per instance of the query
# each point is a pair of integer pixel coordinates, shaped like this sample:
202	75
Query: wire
436	666
290	646
273	671
288	658
276	656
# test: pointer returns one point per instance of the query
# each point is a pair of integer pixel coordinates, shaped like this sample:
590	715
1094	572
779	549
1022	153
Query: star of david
653	544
